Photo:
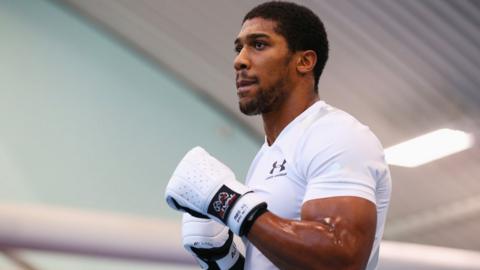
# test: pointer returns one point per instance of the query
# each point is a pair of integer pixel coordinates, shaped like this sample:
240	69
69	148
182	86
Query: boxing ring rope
70	230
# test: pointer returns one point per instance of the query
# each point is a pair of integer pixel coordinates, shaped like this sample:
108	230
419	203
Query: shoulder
340	156
326	134
339	133
338	142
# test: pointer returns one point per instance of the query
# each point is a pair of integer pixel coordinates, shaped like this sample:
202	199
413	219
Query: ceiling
402	67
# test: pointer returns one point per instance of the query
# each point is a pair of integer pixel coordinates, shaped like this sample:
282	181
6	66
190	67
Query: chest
274	178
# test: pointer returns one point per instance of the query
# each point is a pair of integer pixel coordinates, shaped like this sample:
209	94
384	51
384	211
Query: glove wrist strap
241	212
248	223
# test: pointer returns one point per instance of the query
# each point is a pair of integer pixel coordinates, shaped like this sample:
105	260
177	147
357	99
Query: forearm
293	244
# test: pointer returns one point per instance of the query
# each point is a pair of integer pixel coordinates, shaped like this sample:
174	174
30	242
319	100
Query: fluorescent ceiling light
428	147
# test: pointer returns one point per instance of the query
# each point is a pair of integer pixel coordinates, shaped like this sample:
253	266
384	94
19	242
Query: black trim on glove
213	254
212	265
248	223
239	264
188	210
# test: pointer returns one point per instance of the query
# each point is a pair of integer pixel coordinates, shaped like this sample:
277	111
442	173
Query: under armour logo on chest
275	165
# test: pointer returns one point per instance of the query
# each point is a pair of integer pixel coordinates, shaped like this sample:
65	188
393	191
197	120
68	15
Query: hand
205	187
211	243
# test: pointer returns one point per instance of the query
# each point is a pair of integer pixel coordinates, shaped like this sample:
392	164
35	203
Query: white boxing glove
204	187
211	244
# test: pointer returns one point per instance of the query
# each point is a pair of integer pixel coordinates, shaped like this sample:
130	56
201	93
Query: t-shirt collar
314	107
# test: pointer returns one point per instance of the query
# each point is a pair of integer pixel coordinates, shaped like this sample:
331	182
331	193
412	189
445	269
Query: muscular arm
333	233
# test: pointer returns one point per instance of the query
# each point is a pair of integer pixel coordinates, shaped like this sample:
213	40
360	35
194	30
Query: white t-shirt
324	152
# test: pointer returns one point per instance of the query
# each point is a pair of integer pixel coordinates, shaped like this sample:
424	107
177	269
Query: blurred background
99	100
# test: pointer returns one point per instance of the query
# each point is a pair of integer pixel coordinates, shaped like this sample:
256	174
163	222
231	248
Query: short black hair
302	29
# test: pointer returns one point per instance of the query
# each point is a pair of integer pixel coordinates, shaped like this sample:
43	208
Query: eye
238	48
259	45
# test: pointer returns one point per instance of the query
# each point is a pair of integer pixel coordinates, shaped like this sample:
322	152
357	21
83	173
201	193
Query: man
321	172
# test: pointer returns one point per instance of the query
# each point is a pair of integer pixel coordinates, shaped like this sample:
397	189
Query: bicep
351	221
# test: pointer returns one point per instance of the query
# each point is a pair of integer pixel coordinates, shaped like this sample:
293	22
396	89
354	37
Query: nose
241	61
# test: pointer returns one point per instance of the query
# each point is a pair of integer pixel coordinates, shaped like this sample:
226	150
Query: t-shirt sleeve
343	162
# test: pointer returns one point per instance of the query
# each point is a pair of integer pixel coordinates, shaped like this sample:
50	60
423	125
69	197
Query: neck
297	102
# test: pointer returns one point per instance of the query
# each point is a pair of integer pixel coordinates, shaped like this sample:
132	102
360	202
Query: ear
306	61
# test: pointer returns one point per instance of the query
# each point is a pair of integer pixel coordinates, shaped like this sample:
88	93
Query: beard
268	99
265	100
